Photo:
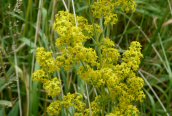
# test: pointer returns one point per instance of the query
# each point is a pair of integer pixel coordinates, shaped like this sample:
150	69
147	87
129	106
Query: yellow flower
111	18
133	56
70	35
73	100
105	8
40	76
126	5
95	107
52	87
100	66
54	108
127	110
46	61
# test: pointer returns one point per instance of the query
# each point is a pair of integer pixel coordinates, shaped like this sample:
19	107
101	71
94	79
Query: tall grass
27	24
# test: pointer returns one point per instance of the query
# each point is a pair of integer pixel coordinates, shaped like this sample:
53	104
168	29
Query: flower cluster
46	60
107	9
54	108
74	100
52	87
110	55
69	101
124	87
102	67
104	8
77	54
126	5
70	35
72	38
40	76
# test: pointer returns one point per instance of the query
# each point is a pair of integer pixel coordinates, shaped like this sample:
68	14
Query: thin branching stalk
18	84
154	93
88	98
28	95
169	71
36	38
138	27
74	12
68	4
125	29
150	75
170	7
166	63
95	91
62	93
52	19
74	86
37	31
70	81
64	3
165	56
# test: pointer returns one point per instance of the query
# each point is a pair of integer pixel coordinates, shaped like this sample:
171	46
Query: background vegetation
27	24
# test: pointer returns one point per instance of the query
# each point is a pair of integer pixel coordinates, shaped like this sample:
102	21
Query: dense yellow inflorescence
69	101
69	33
107	9
110	55
52	87
102	67
74	100
40	76
54	108
46	60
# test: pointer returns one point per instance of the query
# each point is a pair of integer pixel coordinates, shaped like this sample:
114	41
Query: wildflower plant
102	68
